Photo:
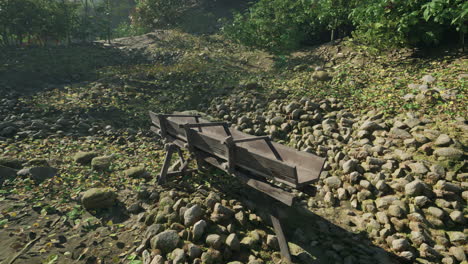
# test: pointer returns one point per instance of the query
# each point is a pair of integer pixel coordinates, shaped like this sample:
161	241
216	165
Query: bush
152	14
280	25
276	25
387	24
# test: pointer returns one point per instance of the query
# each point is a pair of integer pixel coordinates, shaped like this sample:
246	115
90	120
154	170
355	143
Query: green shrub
152	14
385	23
280	25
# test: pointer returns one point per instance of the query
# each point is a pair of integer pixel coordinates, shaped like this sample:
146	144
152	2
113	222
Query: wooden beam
274	192
191	125
251	139
283	243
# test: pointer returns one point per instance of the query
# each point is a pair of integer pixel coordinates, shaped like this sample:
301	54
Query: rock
158	259
277	120
407	255
194	251
40	174
146	257
418	168
342	194
134	208
135	172
166	201
448	186
165	241
211	200
428	79
198	229
11	163
414	188
329	199
385	201
333	182
233	242
272	242
6	173
215	241
240	217
212	256
409	97
421	201
400	133
178	256
400	244
153	230
98	198
225	212
396	211
370	126
436	212
457	238
412	122
8	131
457	217
442	141
350	166
193	214
101	163
84	157
321	76
291	107
458	253
449	153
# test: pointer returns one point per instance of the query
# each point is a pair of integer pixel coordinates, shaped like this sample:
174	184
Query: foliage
152	14
285	24
445	12
405	23
126	29
275	25
40	22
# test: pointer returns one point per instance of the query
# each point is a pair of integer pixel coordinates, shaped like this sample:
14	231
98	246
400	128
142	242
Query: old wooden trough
256	161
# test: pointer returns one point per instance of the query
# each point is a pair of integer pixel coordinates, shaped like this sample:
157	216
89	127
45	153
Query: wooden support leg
283	243
167	163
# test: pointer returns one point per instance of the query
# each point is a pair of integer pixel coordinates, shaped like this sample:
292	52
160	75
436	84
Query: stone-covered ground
77	160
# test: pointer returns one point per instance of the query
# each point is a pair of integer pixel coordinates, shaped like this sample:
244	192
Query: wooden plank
251	139
283	243
266	188
274	192
255	163
166	164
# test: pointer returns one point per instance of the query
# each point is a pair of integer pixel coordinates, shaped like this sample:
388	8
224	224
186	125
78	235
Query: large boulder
136	172
98	198
321	75
101	163
6	173
40	174
84	157
11	163
165	241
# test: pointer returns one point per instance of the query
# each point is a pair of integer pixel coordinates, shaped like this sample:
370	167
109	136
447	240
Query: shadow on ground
314	238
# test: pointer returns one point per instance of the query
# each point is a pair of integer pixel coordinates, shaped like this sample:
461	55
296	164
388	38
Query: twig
26	248
30	244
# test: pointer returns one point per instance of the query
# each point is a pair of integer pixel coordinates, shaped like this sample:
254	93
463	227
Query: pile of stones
403	178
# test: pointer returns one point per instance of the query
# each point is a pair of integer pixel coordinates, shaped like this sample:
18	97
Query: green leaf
51	259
